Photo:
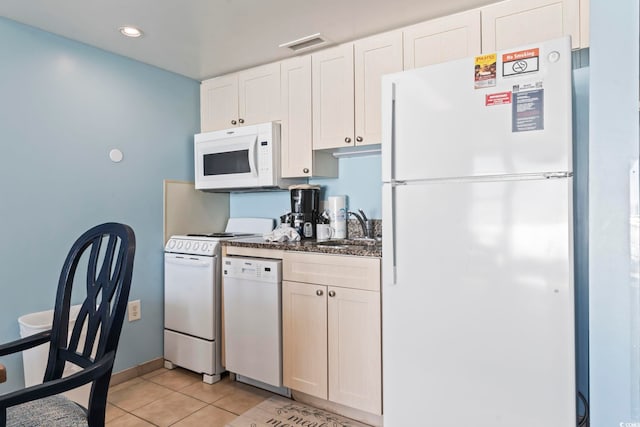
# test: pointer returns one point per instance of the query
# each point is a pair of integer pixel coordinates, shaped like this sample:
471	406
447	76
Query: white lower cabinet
353	324
332	331
304	338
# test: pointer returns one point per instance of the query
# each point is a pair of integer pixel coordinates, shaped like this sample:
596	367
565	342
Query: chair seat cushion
54	411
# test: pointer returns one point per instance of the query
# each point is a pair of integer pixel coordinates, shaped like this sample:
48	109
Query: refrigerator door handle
392	154
388	127
389	230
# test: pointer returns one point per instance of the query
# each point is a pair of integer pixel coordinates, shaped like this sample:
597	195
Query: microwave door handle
252	156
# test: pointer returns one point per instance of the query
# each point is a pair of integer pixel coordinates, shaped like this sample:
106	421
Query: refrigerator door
478	322
444	128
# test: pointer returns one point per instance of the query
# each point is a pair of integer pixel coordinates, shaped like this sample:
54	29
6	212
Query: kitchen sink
333	245
348	243
358	241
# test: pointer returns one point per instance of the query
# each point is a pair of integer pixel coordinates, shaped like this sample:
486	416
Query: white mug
323	231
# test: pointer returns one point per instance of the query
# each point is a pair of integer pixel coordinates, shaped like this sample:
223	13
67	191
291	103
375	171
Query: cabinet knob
332	293
319	292
305	170
347	140
241	120
233	122
358	139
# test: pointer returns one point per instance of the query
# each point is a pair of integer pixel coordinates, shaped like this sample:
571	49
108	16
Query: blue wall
613	141
360	179
63	107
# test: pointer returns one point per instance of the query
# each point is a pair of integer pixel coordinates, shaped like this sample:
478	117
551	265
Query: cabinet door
219	103
259	94
304	338
355	366
296	140
517	22
335	270
584	23
373	57
332	81
441	40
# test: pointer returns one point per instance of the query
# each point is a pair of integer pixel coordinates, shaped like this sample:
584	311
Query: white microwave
240	159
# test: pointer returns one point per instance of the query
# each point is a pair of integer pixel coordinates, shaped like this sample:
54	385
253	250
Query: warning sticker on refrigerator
485	70
497	98
527	111
521	62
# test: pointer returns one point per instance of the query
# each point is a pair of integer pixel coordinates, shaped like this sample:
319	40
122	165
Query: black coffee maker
305	208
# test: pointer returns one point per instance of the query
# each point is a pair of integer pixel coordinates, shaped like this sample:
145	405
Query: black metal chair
106	251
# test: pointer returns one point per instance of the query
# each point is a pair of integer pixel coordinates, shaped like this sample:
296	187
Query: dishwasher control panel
256	269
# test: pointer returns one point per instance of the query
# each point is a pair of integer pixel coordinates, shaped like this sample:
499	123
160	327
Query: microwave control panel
264	156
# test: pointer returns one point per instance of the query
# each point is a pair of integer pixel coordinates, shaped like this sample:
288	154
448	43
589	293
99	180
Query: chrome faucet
365	223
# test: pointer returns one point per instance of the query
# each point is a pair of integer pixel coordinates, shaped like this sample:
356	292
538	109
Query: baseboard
136	371
336	408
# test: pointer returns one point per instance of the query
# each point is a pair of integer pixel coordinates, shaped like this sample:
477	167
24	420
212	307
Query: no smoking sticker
521	62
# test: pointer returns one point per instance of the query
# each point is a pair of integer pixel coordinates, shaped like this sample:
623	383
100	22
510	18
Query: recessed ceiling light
131	31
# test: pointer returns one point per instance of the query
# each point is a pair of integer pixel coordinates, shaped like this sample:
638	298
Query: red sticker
497	98
522	54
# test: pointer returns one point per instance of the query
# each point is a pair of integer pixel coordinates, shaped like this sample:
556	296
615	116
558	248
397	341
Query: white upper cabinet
247	97
584	23
374	57
296	136
333	101
298	157
442	39
346	90
517	22
219	103
259	94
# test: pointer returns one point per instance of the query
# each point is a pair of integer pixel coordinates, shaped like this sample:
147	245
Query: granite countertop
334	247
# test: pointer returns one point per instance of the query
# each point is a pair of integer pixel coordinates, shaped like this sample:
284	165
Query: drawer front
335	270
253	252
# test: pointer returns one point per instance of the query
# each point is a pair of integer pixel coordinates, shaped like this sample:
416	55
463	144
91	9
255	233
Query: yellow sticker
485	70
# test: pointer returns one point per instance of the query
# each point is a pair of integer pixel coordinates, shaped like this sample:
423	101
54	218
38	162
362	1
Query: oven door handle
191	262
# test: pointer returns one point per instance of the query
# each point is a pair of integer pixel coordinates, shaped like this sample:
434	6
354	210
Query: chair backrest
105	254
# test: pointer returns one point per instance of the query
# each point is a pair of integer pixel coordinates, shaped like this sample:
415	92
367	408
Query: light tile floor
179	398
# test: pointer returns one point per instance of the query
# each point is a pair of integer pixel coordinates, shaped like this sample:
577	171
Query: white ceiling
206	38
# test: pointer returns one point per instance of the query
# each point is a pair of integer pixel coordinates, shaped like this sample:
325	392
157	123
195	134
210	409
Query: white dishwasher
252	290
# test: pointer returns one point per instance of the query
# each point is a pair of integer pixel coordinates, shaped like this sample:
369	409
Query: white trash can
35	359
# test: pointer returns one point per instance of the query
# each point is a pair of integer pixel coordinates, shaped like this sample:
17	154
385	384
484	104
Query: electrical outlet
133	310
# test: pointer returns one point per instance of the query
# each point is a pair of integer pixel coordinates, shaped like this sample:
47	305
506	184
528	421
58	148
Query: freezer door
437	125
478	322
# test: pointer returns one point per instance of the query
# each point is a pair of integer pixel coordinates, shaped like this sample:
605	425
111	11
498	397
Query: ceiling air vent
312	41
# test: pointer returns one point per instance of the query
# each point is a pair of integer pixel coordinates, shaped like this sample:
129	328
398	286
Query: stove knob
187	245
205	246
172	244
180	244
196	245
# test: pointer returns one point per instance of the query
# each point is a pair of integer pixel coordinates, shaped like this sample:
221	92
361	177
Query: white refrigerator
478	294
